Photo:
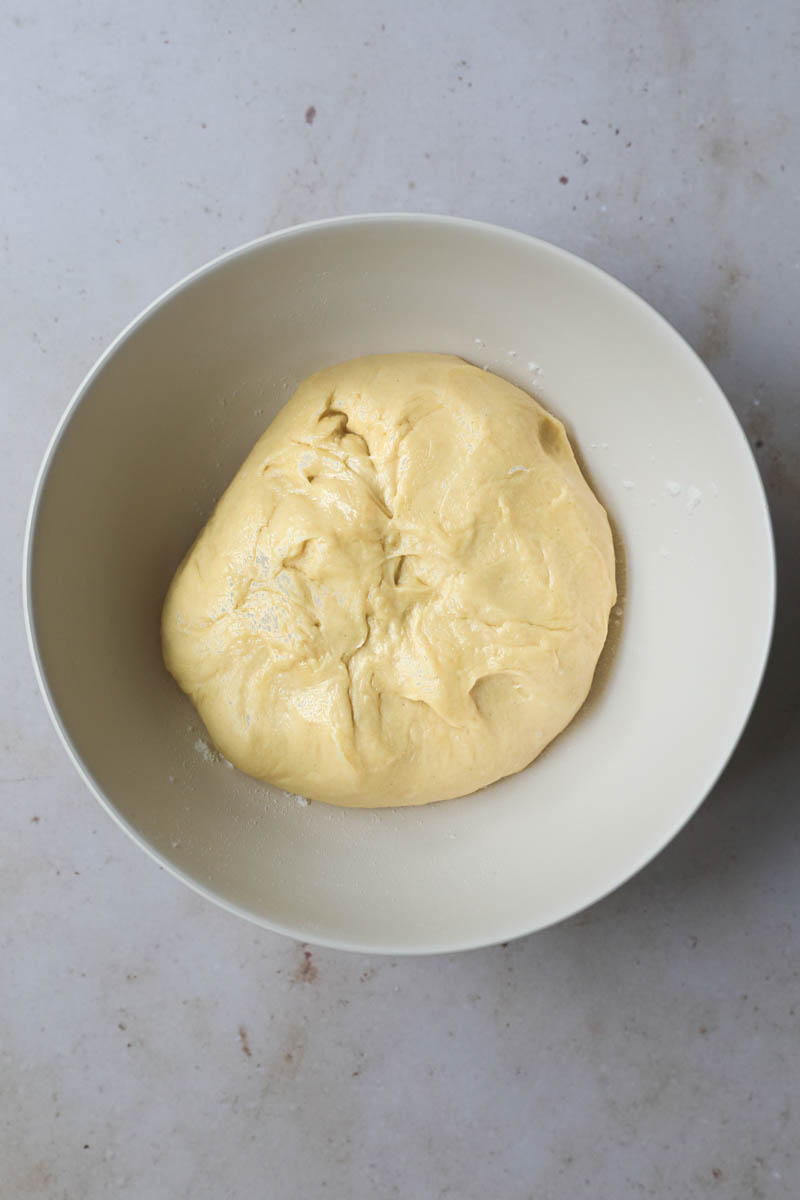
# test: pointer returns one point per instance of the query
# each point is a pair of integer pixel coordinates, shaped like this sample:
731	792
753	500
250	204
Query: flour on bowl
300	801
694	498
209	754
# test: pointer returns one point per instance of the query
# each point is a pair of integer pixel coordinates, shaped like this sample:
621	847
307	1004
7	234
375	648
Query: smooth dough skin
402	595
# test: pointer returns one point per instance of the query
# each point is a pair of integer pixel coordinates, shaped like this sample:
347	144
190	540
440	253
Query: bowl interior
161	425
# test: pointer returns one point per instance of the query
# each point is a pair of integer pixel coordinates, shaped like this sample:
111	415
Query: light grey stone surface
153	1046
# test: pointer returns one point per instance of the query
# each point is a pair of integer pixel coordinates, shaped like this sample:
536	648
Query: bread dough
402	595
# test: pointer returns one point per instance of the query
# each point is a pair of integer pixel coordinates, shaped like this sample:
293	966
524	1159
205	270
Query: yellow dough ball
402	595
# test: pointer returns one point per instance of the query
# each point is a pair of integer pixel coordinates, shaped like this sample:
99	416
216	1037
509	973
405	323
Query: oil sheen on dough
402	595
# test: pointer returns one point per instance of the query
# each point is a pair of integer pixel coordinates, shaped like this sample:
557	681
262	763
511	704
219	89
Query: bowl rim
715	769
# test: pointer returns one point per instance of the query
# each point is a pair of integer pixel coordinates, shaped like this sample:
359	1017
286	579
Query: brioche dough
402	595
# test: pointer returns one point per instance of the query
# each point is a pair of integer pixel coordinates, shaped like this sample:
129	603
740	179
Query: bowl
159	427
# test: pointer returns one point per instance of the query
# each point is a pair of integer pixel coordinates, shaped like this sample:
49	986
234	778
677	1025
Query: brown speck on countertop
306	972
584	121
34	820
311	112
244	1042
715	336
717	1173
563	179
203	125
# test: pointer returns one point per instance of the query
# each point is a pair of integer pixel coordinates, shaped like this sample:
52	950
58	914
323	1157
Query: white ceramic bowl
158	428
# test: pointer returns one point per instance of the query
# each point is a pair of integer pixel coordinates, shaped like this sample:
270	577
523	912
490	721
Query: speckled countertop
153	1046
